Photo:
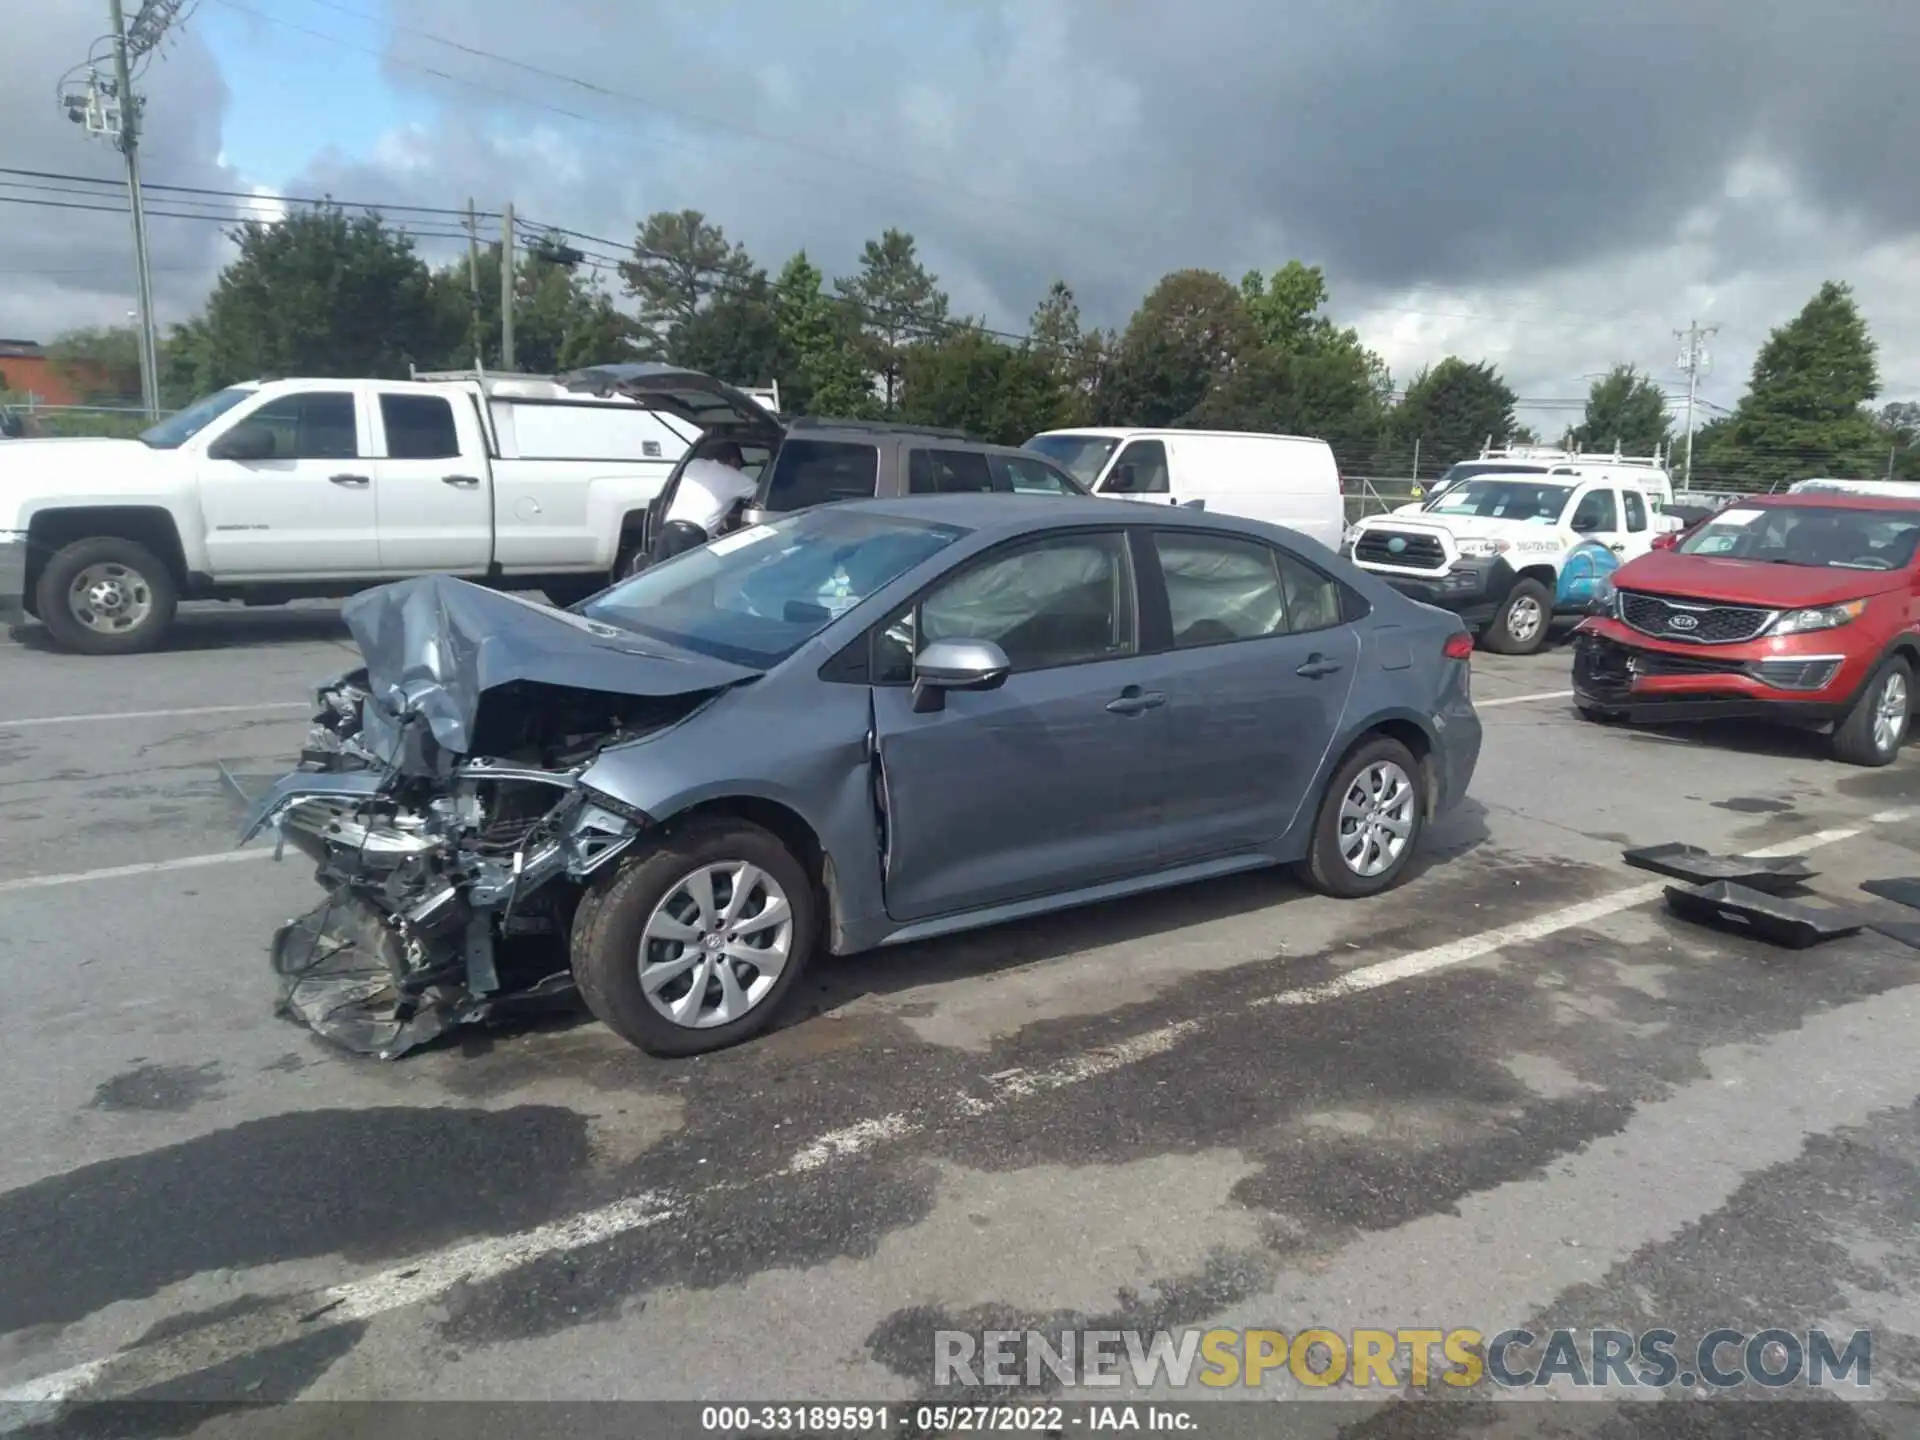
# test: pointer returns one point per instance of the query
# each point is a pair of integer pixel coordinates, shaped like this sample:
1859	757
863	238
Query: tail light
1459	646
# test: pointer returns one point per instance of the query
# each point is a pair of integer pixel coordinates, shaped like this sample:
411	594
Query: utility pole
111	109
506	288
1695	362
473	288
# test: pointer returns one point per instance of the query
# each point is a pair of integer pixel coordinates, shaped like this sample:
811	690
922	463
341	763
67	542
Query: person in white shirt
710	487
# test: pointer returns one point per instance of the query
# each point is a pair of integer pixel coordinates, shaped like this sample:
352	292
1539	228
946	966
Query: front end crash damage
440	798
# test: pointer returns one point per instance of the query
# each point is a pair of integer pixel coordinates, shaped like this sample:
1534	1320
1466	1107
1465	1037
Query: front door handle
358	482
1134	701
467	481
1618	548
1316	666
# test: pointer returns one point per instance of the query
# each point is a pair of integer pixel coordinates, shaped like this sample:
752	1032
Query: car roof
1015	514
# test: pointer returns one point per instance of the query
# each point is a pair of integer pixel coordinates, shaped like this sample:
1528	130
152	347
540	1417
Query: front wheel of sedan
1370	822
695	946
1876	727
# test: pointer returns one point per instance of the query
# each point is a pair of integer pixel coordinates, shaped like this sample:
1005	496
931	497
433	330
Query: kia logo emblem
1683	622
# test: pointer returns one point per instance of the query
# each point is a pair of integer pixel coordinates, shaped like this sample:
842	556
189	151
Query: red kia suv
1803	608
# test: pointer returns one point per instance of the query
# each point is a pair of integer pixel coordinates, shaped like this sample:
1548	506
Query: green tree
1303	375
899	302
1805	412
681	260
1453	408
101	364
970	381
562	319
736	337
1626	409
1073	353
1900	438
825	371
1189	333
316	293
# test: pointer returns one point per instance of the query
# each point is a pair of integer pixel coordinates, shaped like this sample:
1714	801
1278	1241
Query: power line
252	195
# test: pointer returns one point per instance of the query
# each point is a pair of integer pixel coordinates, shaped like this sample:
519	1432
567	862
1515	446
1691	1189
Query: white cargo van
1282	479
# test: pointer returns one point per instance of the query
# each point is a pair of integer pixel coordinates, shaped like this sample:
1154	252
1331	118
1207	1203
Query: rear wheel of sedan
1875	728
1525	616
1370	822
695	946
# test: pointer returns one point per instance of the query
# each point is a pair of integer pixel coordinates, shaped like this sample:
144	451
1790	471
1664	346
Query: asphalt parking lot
1513	1093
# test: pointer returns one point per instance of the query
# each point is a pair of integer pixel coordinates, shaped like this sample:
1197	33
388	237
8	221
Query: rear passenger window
1028	476
1636	510
1220	588
817	472
948	472
419	427
1314	602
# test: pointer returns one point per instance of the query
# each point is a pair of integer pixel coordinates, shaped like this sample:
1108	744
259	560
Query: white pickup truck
278	490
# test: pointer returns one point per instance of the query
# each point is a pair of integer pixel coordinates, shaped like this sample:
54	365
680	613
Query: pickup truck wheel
1370	822
106	596
1876	726
1524	619
695	946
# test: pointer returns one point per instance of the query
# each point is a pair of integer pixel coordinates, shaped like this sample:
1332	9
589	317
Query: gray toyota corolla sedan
859	725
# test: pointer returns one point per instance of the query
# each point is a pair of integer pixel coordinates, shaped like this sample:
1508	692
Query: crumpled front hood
436	645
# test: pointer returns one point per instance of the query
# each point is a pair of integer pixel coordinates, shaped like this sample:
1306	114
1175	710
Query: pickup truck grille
1416	550
1692	621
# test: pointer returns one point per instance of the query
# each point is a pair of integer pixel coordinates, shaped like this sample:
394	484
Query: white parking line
1522	699
431	1276
121	872
156	714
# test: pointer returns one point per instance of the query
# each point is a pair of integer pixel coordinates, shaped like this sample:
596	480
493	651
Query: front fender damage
441	800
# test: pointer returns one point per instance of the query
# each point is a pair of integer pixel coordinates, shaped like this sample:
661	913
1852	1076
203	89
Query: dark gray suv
806	461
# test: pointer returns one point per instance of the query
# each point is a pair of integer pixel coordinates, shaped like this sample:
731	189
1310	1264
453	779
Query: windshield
1527	500
1806	535
757	595
176	430
1081	456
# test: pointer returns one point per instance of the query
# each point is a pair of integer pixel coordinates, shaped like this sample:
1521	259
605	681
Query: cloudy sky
1556	187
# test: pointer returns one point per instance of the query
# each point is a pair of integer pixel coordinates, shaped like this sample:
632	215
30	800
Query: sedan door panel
1006	794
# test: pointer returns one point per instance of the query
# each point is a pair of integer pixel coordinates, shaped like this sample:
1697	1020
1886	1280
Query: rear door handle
462	480
1134	701
1316	666
358	482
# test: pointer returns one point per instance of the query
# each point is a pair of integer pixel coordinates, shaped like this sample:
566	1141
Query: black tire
1325	869
1501	636
1853	738
607	937
138	567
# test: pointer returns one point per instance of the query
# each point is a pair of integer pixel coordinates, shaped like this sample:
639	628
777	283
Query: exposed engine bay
454	873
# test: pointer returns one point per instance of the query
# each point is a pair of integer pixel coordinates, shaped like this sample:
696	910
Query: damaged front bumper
443	903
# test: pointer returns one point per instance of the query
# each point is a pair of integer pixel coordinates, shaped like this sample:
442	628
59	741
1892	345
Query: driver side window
1140	470
1596	513
316	426
1058	601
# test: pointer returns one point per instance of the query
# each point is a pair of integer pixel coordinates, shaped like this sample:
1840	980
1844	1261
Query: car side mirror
956	665
1123	479
246	441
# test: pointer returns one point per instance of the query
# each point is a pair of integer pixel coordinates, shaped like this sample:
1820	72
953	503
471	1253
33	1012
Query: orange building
25	370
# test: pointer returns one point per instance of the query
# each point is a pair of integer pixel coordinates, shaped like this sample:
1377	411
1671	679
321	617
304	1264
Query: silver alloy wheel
1890	715
1376	819
1524	618
715	944
110	598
